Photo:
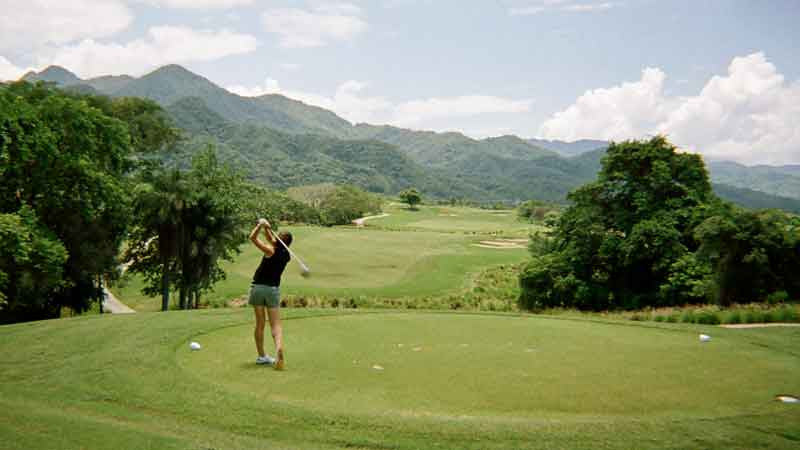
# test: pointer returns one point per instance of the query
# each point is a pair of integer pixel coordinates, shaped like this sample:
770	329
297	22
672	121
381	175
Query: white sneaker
266	359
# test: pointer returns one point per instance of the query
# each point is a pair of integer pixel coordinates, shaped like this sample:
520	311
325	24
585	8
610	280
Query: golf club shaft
287	248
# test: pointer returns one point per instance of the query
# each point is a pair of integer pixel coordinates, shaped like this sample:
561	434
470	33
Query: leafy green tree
617	244
213	225
31	267
410	196
187	222
753	253
347	203
68	158
65	160
155	239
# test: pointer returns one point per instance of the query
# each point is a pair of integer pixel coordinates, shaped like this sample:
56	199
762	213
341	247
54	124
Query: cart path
113	305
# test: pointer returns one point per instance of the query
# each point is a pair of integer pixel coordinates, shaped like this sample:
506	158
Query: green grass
405	261
476	381
454	219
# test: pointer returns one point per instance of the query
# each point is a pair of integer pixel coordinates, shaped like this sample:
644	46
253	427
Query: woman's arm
270	235
257	242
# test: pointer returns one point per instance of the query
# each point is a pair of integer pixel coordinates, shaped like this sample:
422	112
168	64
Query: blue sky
717	76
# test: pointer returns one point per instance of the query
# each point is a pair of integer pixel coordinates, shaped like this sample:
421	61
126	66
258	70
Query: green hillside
782	181
172	83
756	200
282	160
109	84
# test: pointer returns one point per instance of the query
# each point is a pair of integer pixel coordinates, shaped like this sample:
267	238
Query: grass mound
520	381
496	367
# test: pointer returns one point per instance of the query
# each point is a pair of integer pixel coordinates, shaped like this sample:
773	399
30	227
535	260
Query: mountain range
283	142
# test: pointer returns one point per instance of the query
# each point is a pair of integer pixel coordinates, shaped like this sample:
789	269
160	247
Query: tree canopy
650	232
66	158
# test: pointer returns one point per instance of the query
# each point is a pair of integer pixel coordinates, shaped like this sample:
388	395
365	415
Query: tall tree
411	196
617	244
187	222
67	157
64	159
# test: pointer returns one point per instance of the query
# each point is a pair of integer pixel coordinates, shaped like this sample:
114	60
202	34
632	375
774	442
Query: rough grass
130	382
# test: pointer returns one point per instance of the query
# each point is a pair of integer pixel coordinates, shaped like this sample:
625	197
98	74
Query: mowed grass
457	381
410	261
454	219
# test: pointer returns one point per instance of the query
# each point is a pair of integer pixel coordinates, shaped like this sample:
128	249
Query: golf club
305	271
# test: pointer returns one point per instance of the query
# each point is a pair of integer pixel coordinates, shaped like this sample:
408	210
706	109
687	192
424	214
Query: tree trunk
101	291
165	289
183	297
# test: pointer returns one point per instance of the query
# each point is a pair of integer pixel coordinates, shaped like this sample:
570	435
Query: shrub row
736	315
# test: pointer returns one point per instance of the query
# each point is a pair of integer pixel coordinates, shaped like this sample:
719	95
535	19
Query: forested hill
282	160
777	180
283	142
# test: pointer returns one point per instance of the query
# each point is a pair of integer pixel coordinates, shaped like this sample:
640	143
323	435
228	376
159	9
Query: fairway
422	253
498	368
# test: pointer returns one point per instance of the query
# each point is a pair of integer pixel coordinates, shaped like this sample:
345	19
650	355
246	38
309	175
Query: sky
718	77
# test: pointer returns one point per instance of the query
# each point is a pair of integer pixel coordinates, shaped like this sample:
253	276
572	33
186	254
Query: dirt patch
759	325
238	302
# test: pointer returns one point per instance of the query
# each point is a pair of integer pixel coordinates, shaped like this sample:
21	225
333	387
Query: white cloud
631	109
749	115
418	112
27	24
589	7
196	4
317	27
540	6
345	102
9	71
162	45
350	102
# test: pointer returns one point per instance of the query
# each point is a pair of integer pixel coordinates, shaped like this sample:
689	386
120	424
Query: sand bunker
503	244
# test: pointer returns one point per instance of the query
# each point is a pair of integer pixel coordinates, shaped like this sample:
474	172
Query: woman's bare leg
258	334
277	334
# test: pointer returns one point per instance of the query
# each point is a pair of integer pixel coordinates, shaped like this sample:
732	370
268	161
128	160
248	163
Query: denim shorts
263	295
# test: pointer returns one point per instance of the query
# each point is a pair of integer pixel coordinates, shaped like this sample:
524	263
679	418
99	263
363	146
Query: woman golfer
265	291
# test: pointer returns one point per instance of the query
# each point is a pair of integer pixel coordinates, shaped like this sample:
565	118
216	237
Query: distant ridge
312	140
569	148
53	74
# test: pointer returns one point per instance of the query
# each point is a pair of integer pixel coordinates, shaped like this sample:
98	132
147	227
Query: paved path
760	325
114	306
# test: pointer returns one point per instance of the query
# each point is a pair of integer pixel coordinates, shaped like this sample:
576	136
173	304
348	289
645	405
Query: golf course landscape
393	378
411	254
399	225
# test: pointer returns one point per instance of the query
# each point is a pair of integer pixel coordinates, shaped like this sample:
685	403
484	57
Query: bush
707	318
672	318
777	297
733	317
688	317
786	314
753	316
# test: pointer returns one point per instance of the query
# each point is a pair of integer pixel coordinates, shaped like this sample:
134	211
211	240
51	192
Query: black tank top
270	270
